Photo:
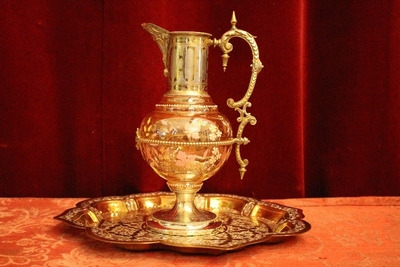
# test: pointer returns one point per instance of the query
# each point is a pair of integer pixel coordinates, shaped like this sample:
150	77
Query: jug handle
242	104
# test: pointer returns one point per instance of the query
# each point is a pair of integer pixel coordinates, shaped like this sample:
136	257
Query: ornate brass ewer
185	139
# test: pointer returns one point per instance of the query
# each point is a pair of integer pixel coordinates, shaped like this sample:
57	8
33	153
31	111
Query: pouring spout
161	37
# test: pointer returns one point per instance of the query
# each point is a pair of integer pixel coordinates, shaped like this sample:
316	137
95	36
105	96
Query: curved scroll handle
242	104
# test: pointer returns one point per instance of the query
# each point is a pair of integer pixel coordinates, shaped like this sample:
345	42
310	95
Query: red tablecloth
362	231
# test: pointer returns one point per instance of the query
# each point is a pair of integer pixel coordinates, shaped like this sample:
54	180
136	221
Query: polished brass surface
186	140
124	221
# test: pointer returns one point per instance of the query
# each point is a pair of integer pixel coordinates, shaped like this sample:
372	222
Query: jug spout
161	37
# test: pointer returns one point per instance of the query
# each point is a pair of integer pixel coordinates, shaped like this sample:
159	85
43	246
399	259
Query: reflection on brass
124	221
186	140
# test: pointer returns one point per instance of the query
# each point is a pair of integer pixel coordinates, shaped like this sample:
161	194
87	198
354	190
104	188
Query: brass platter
121	220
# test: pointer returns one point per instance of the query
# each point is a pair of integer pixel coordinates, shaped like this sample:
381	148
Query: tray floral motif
121	220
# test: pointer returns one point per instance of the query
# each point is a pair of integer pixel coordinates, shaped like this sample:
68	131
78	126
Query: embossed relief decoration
176	158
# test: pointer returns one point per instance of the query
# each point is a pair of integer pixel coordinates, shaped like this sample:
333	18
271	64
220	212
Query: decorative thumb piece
185	139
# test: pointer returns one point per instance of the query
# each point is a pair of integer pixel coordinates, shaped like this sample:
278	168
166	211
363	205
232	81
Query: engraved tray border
120	220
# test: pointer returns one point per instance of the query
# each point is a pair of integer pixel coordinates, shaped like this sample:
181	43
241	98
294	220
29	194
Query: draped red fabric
77	77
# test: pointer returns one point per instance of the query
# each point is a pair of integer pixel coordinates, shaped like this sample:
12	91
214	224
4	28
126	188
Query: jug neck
187	63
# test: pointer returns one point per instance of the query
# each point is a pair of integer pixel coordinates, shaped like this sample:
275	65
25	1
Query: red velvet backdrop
77	77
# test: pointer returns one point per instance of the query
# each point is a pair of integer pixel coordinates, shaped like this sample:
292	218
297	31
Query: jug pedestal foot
184	218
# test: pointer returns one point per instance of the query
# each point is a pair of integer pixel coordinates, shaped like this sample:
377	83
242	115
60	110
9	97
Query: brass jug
185	139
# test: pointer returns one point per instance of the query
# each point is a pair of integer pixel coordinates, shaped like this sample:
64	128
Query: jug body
187	138
187	142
